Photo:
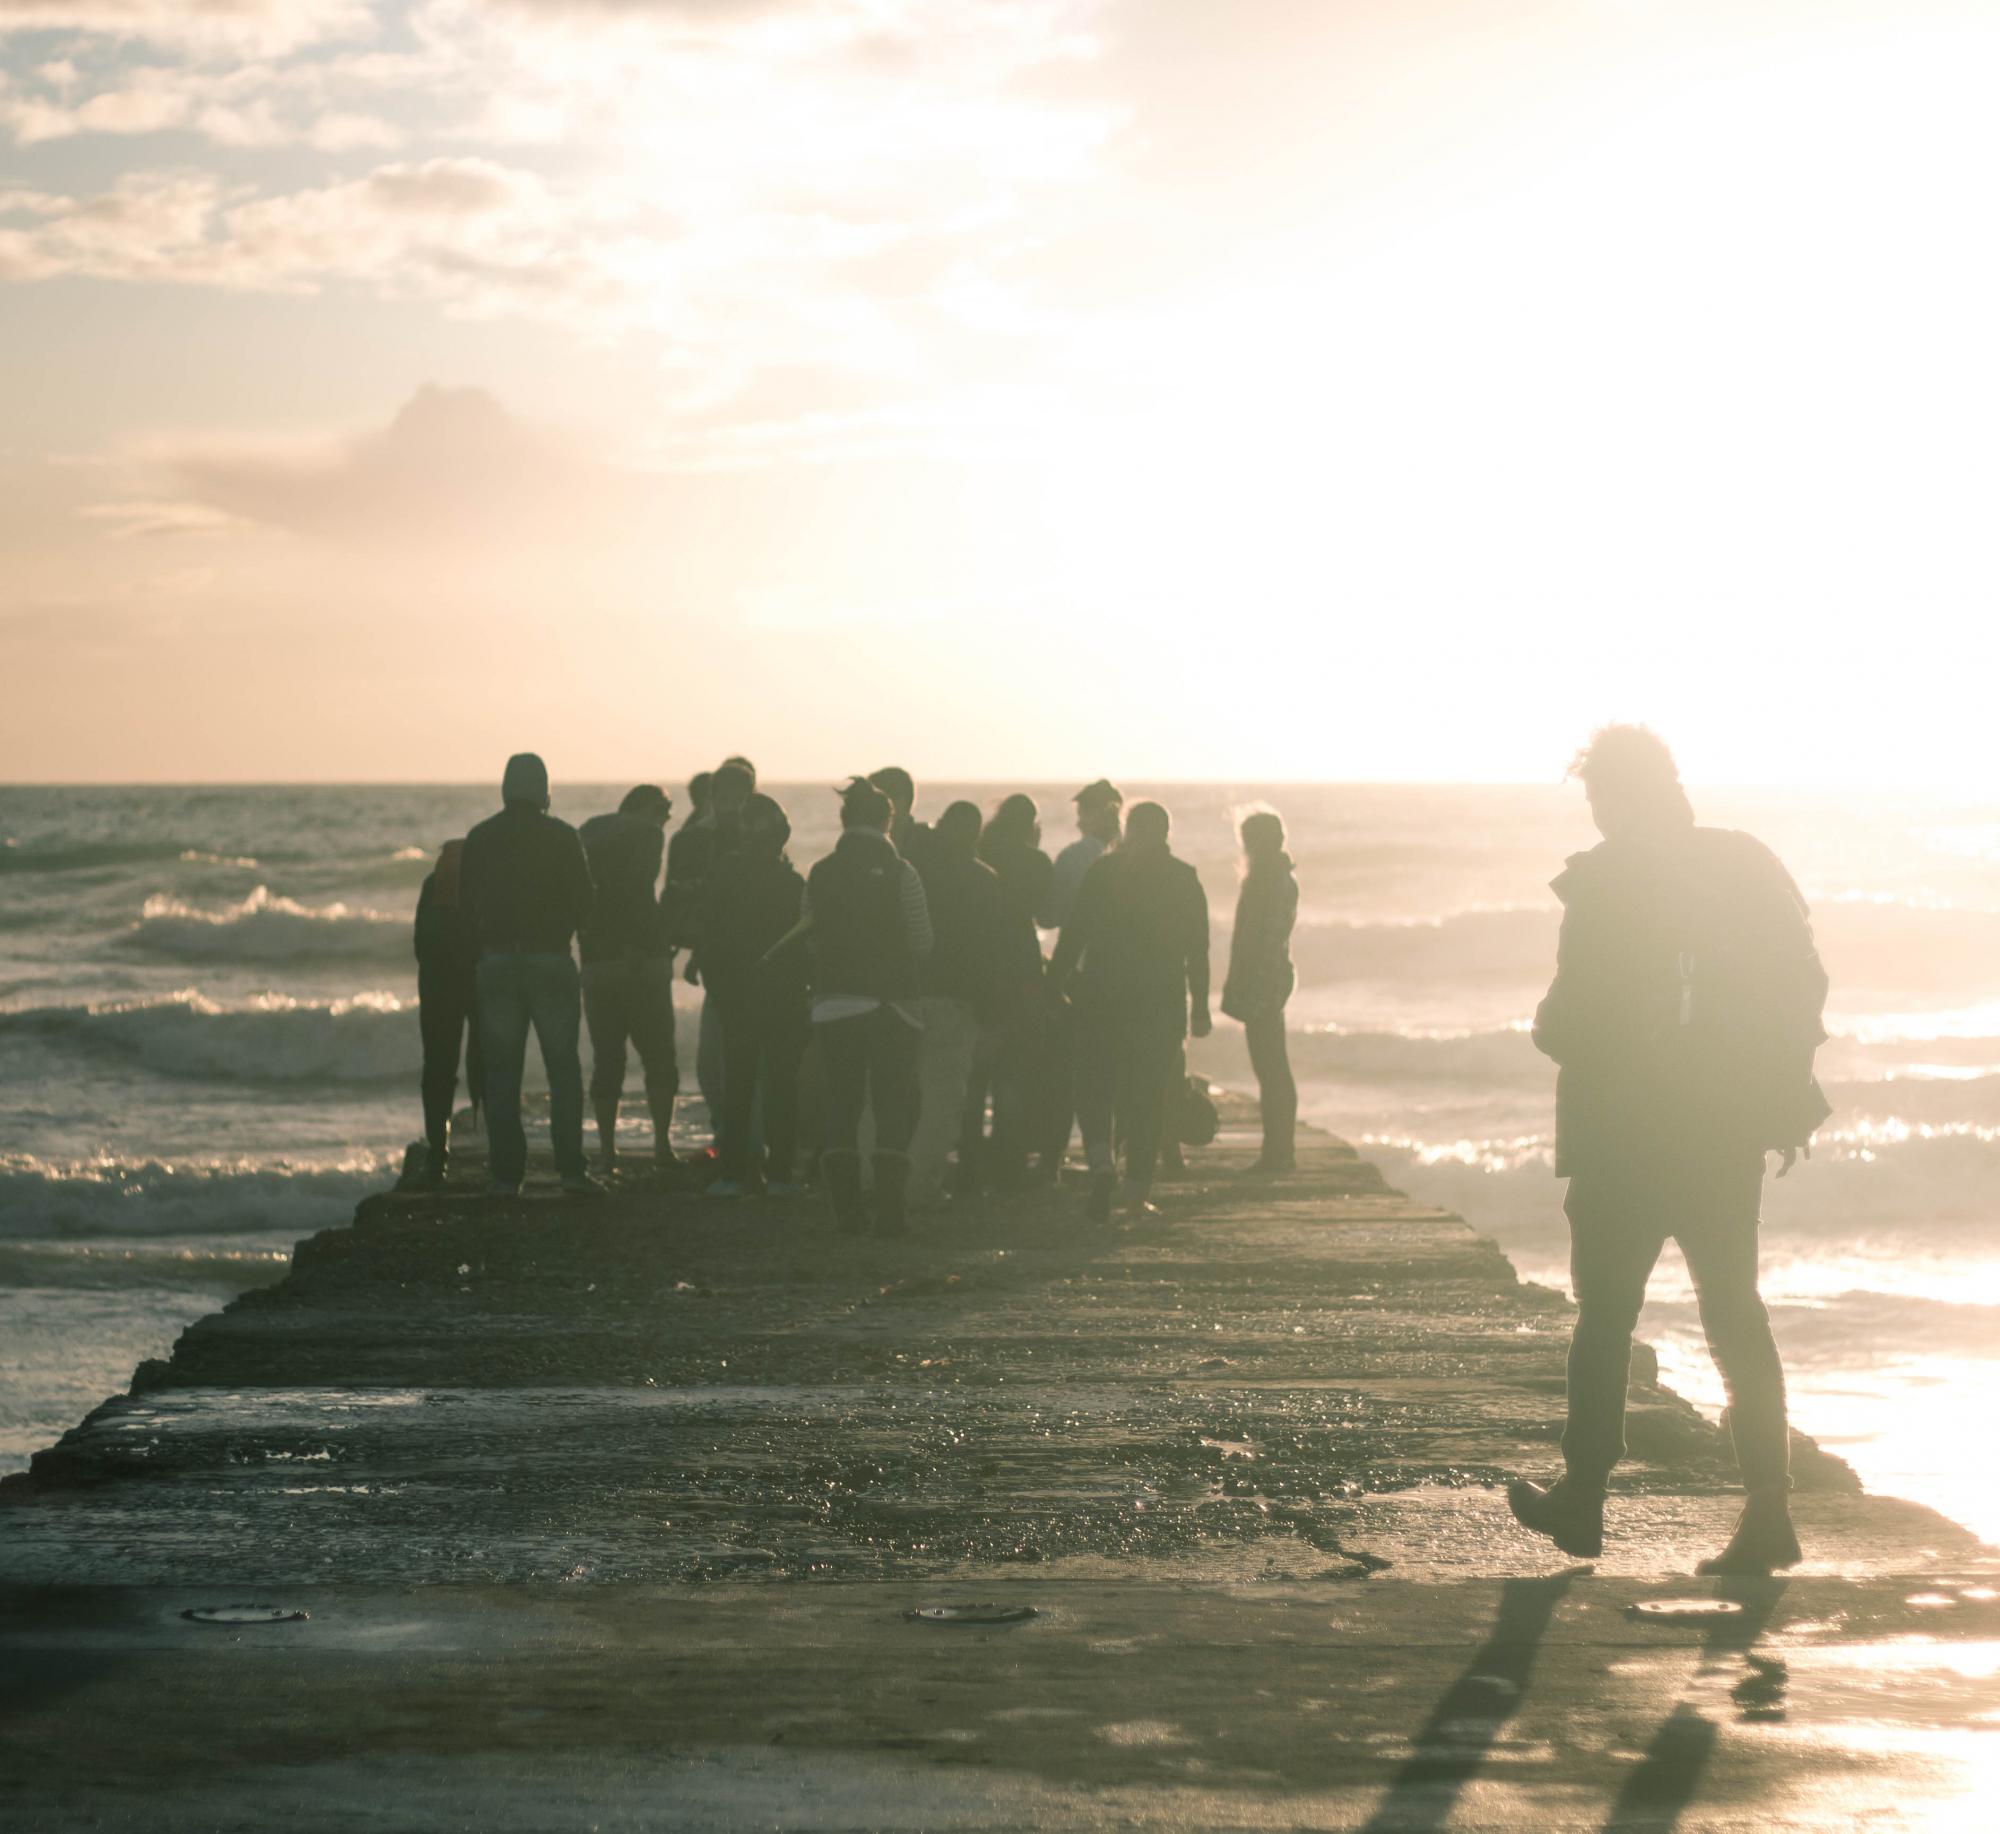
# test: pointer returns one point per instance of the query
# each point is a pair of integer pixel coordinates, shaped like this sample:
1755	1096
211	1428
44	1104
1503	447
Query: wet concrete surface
606	1515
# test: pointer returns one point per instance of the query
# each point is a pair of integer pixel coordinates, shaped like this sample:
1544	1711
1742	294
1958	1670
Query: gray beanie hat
526	779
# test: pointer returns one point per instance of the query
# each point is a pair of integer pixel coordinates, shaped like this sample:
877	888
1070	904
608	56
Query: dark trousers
1123	1062
448	1017
1619	1222
1277	1092
1058	1084
1006	1066
870	1059
631	1002
521	991
763	1044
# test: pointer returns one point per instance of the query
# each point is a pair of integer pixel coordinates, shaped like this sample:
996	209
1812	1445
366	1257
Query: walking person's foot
581	1184
1570	1515
1765	1541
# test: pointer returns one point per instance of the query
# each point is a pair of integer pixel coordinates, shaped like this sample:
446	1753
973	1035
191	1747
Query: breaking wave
266	928
112	1197
370	1038
83	856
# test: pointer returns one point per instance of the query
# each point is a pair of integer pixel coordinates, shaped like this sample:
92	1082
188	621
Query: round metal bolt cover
1685	1610
244	1614
971	1614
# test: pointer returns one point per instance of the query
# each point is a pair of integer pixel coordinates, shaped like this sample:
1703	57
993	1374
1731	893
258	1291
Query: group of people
888	1022
901	987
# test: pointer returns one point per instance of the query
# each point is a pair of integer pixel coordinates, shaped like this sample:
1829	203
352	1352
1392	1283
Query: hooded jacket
1686	1006
624	852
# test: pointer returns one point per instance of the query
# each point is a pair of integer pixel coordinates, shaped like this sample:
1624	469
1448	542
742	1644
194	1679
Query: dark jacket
1023	870
860	942
696	845
747	904
1686	1005
624	853
969	951
1138	939
445	943
1260	977
525	882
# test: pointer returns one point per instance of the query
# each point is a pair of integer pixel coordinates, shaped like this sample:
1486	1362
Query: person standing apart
1683	1018
961	984
1136	950
750	902
628	968
526	886
1260	981
870	928
447	1009
1100	810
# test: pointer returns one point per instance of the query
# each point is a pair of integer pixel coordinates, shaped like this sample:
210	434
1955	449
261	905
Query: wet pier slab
611	1515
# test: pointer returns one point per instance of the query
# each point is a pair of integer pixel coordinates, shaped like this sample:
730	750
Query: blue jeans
516	990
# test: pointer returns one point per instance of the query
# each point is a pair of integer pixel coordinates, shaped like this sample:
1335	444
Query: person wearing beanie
526	887
1683	1020
1100	810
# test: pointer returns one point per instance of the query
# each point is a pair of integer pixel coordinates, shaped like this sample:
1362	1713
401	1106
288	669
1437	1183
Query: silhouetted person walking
870	927
1100	809
1260	981
628	967
1136	947
750	903
961	985
1684	1016
526	885
447	1007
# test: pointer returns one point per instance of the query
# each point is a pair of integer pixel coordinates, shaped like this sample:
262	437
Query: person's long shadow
1664	1785
1453	1746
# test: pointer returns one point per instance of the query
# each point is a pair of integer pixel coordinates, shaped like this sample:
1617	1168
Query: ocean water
209	1048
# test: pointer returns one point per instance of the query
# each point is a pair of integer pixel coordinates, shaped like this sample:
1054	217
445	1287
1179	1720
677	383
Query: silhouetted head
898	785
1147	825
701	786
957	830
766	829
743	764
1263	835
525	782
647	800
731	789
1016	819
862	805
1099	806
1632	781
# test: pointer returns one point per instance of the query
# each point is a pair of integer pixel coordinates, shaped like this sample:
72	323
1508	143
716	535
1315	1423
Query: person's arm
582	888
917	931
1077	934
800	929
1197	957
1554	1032
423	911
1238	984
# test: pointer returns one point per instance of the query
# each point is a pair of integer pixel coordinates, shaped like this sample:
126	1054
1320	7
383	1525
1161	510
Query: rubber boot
892	1180
1765	1541
1570	1513
841	1173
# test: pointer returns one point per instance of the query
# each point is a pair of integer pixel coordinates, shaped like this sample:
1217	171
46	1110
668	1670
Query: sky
1278	391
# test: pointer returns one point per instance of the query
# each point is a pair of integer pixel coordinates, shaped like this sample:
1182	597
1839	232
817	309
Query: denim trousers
519	989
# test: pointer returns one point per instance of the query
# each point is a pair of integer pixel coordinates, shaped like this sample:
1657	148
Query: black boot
841	1172
1764	1542
1570	1513
892	1177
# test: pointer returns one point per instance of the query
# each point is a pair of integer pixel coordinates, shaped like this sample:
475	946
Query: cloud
200	27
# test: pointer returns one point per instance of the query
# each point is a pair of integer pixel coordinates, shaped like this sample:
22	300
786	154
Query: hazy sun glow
1096	386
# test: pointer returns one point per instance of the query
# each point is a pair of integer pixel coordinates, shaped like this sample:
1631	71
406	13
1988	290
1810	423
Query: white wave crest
116	1197
266	928
372	1037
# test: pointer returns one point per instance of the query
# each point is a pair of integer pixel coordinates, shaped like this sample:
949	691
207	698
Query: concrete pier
613	1515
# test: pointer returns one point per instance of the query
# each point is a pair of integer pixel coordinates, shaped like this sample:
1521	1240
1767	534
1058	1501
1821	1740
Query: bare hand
1789	1157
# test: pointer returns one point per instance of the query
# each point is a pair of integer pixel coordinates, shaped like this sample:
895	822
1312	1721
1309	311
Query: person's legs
1147	1054
503	1037
1277	1093
945	1070
708	1071
1016	1097
781	1046
738	1027
651	1022
1097	1056
1172	1085
1615	1238
557	1010
1059	1073
441	1017
843	1047
607	1002
894	1087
